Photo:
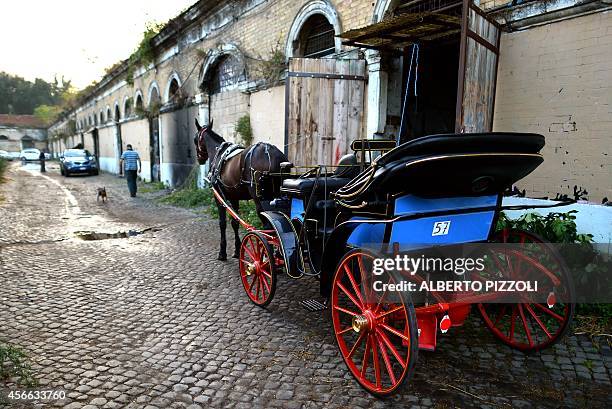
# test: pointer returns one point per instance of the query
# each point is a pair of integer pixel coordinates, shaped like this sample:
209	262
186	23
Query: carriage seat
346	170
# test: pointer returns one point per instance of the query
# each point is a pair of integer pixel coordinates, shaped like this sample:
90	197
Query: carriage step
313	305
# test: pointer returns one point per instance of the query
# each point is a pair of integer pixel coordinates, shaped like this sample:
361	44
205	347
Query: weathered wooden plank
341	103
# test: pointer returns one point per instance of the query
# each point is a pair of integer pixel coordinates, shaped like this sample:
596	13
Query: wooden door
478	62
324	103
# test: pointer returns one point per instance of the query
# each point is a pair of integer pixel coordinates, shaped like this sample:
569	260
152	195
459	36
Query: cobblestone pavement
155	321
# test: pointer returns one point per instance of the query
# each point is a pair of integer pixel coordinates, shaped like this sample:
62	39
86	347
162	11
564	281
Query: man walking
132	167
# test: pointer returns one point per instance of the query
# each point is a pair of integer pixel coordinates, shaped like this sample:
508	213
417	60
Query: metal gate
324	109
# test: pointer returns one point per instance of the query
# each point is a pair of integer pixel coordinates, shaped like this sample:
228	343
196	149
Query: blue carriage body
420	221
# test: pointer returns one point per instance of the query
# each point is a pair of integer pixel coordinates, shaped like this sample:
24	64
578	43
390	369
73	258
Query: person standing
132	168
42	158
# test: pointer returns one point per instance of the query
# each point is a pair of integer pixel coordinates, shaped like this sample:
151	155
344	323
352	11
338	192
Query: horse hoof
222	257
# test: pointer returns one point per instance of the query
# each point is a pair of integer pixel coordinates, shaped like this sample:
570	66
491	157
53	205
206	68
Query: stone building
19	132
313	75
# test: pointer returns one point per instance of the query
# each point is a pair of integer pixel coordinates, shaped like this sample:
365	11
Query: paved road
155	321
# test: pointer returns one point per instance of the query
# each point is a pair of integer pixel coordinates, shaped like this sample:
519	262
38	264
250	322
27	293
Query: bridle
202	152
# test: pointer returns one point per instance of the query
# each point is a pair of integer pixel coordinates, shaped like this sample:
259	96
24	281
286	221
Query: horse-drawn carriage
433	192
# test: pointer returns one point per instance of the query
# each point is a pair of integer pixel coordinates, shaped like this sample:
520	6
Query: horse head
204	139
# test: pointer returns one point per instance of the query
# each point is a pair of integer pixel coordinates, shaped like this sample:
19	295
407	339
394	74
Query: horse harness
228	150
225	152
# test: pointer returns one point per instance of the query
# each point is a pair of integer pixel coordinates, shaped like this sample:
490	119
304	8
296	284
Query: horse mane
214	136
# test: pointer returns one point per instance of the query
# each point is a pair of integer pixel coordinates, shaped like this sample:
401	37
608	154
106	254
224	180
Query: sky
75	38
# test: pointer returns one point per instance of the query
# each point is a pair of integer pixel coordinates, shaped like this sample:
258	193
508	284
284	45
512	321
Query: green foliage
144	54
589	268
243	127
47	113
270	69
152	187
20	97
554	227
13	366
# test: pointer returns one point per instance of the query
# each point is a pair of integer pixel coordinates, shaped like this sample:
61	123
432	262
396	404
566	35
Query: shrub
13	366
590	270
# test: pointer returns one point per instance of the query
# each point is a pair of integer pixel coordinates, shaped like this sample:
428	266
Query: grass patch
14	367
189	196
150	187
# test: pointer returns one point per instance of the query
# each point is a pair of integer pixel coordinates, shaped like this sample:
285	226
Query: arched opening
127	108
139	103
108	116
154	98
27	142
117	116
226	74
316	38
173	90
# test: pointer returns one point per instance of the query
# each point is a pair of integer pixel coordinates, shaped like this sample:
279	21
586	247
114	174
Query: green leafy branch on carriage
591	270
14	366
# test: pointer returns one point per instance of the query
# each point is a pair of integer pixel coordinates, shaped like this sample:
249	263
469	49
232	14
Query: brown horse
237	177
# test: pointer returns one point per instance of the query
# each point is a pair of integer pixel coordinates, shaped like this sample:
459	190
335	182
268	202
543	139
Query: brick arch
153	90
381	8
174	77
214	57
310	9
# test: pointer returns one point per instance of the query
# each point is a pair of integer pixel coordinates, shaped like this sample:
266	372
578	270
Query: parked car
6	155
28	155
78	161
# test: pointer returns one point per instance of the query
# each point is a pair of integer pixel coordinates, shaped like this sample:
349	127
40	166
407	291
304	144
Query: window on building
154	97
139	104
316	38
117	113
228	71
127	108
108	114
3	138
174	88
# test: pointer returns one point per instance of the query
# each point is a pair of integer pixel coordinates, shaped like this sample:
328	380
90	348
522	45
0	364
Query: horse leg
236	226
222	225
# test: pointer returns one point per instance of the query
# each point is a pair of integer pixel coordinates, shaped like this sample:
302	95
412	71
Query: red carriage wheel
257	268
531	326
376	333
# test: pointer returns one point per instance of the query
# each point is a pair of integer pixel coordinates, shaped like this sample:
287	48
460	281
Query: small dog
101	194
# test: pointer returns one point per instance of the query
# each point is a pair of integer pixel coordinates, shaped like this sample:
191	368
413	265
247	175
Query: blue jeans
131	176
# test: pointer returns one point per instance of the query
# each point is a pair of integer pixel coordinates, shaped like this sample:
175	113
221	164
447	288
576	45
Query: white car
27	155
6	155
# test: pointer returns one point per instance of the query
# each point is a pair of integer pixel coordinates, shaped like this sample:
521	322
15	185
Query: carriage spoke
376	364
362	273
391	311
258	288
250	253
252	283
393	350
379	303
265	273
366	354
357	343
525	325
395	332
537	319
550	312
386	360
354	284
266	284
512	323
344	331
344	310
350	296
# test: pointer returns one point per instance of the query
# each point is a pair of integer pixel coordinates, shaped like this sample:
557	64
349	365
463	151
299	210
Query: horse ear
197	124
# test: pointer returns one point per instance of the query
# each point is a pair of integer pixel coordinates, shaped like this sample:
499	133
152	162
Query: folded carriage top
449	165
